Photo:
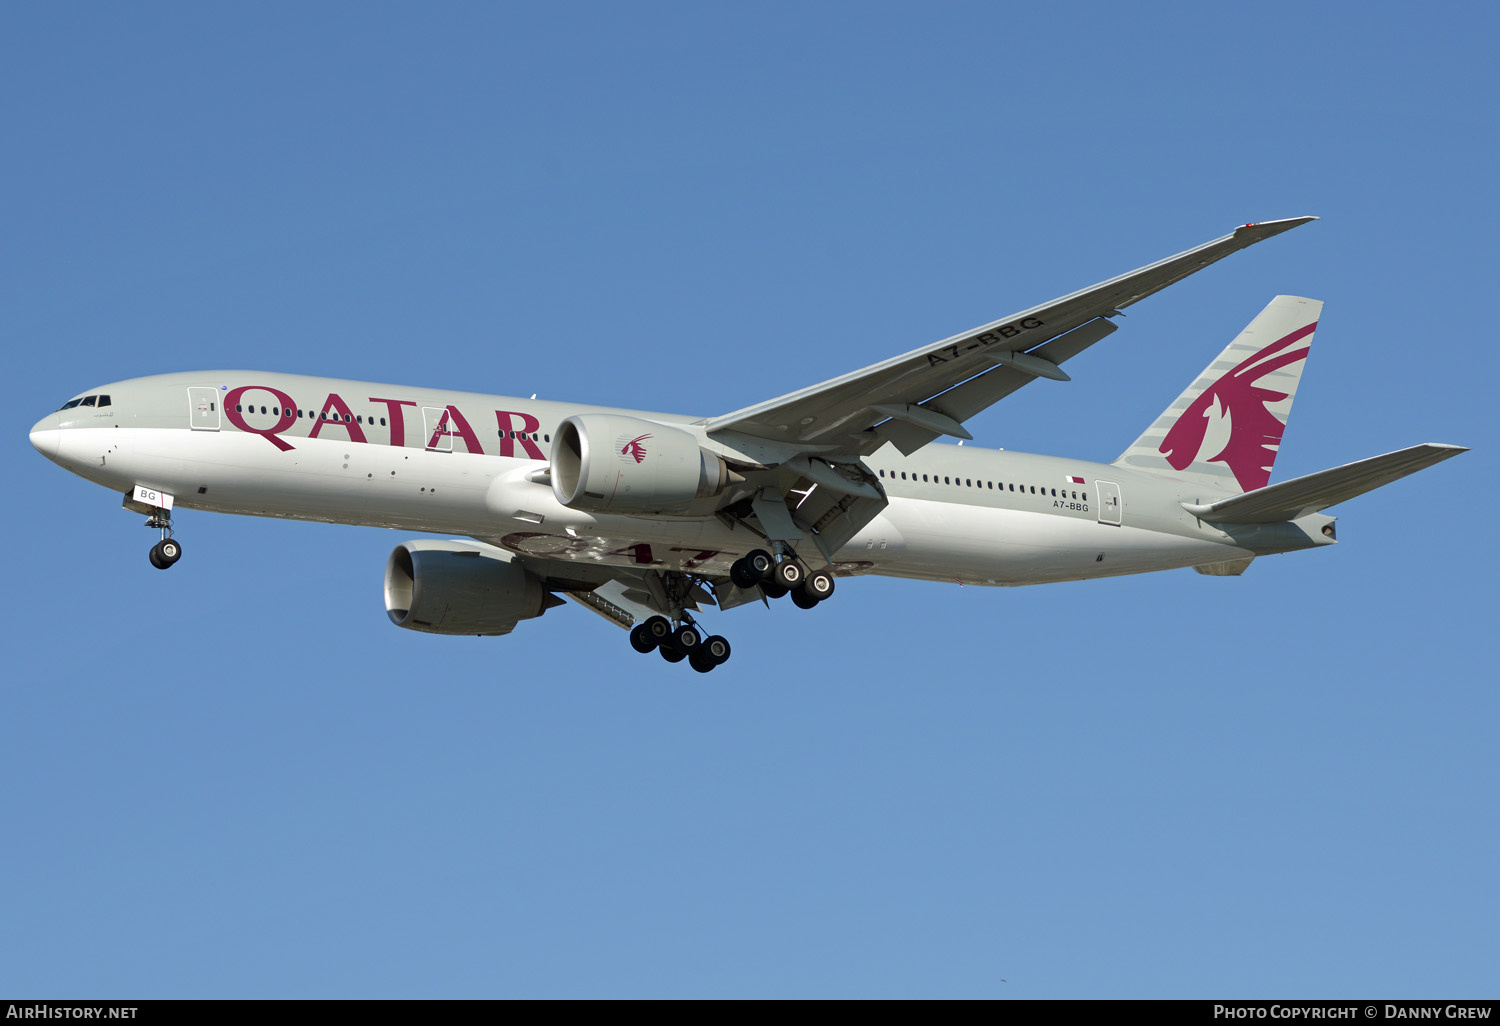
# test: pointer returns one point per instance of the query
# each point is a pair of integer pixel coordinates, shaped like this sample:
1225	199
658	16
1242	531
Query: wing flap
981	392
1314	492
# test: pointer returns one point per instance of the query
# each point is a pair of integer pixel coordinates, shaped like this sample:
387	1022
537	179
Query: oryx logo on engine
632	448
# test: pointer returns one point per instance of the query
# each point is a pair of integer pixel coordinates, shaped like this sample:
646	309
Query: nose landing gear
167	551
157	507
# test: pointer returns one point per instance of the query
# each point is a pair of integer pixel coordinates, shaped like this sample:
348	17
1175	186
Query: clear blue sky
238	779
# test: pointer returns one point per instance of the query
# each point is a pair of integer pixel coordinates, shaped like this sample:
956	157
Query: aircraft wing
919	396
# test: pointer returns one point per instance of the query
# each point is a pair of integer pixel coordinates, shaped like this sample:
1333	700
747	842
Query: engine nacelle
607	464
458	588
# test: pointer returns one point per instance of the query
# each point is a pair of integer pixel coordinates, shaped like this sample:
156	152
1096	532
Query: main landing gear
167	551
686	641
787	577
758	568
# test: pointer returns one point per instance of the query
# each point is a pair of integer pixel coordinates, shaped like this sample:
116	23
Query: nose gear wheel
167	551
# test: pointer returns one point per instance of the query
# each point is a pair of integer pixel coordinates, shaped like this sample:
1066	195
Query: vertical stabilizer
1226	428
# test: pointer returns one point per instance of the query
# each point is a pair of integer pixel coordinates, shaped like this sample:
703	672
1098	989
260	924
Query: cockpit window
88	400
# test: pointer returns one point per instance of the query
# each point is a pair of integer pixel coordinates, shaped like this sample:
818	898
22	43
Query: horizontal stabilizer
1303	495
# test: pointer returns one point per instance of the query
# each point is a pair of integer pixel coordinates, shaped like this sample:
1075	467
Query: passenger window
382	422
89	401
924	477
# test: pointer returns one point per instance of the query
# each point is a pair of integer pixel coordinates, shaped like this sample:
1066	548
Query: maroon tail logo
634	449
1254	431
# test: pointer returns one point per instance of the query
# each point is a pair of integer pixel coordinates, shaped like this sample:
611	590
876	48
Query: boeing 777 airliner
648	518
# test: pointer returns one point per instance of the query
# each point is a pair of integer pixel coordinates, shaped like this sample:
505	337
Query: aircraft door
203	408
1109	502
435	426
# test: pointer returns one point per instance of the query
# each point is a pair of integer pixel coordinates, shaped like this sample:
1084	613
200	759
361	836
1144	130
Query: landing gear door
203	408
1109	502
435	429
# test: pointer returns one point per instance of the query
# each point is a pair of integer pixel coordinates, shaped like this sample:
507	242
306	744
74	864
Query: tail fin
1226	428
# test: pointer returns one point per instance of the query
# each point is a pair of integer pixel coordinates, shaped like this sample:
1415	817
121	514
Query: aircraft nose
44	437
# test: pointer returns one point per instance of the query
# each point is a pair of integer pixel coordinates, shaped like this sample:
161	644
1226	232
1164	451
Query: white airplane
646	518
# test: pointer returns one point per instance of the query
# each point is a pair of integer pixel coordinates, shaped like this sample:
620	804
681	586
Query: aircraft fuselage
460	463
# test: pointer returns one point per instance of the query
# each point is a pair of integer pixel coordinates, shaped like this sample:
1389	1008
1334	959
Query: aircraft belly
991	546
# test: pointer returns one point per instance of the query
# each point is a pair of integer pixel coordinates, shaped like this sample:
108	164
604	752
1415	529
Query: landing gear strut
167	551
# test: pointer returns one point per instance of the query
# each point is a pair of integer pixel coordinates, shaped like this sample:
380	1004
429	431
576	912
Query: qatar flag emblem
1073	480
